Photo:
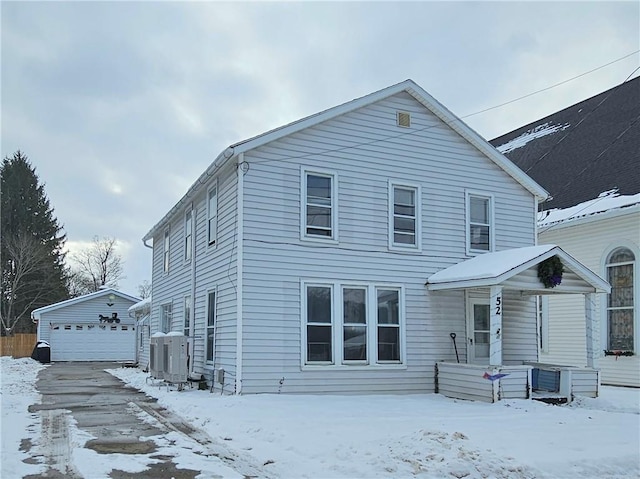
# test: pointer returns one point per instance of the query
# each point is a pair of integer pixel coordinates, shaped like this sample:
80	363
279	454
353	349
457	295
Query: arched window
620	302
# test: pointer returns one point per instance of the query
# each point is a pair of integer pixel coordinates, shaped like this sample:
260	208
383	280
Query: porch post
495	326
592	334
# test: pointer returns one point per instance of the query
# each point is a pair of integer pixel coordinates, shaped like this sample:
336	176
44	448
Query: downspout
239	269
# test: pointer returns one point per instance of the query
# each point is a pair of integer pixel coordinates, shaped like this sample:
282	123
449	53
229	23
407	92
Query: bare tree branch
96	266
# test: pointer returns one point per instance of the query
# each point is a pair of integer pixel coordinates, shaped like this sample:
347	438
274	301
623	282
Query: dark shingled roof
583	150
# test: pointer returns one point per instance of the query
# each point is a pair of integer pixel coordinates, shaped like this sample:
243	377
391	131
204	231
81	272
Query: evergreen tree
31	243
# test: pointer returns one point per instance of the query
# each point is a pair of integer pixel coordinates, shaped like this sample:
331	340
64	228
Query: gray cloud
121	105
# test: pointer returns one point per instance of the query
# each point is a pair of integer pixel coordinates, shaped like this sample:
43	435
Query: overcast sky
120	106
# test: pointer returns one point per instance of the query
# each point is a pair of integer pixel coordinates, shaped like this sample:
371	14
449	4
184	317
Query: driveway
80	399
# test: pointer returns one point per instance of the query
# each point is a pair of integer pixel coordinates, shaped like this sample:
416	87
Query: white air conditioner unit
175	349
156	343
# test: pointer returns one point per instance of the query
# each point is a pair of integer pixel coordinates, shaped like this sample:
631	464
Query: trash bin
42	352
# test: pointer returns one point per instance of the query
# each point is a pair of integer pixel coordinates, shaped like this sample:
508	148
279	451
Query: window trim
212	243
492	234
304	172
605	264
337	324
188	234
166	250
306	323
392	185
161	317
213	291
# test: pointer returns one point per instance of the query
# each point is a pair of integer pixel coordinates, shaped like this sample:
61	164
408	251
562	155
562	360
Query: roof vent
403	119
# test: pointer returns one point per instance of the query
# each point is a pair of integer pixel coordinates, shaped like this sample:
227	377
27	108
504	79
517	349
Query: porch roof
517	269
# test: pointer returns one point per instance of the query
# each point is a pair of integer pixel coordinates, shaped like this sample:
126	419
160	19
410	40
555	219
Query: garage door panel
93	342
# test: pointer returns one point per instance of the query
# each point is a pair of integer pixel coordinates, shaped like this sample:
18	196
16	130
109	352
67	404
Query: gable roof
584	150
491	269
408	86
80	299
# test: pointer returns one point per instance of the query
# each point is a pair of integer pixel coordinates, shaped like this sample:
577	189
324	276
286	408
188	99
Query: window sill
352	367
318	240
405	249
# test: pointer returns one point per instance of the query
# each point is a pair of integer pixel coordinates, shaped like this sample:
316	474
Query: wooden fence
18	345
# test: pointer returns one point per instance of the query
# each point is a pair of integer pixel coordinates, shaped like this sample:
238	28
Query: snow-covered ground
426	436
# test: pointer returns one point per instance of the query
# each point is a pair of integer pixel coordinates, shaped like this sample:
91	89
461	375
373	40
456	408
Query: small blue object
493	377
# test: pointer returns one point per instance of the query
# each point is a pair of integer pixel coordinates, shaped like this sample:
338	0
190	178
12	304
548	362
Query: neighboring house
141	312
93	327
298	261
588	157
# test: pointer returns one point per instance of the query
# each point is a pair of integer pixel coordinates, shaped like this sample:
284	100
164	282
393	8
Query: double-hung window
388	325
166	311
319	324
319	205
348	325
620	302
212	214
188	234
211	324
479	223
354	324
187	315
404	216
165	251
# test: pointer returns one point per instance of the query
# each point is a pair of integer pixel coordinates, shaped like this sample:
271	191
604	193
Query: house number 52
498	305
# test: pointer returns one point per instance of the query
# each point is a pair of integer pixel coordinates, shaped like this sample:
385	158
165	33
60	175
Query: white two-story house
304	260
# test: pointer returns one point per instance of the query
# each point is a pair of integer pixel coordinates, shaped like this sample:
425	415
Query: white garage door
93	342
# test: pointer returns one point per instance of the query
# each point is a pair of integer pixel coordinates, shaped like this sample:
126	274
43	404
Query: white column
592	333
495	326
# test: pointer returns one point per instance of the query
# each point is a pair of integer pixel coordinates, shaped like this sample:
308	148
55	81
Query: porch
492	327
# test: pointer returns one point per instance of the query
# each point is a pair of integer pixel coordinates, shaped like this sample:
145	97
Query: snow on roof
537	132
489	265
140	305
606	201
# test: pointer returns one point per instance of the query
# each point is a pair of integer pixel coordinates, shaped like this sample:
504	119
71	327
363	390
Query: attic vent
404	119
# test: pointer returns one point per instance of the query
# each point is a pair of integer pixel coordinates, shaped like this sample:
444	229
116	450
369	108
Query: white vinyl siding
405	229
434	158
319	205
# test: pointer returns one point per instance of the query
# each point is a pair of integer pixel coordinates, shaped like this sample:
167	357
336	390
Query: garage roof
35	314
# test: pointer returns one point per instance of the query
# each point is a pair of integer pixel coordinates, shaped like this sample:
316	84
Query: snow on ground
17	393
424	436
427	436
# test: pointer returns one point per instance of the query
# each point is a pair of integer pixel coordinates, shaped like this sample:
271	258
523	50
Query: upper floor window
404	216
165	251
620	302
166	311
188	235
319	205
479	223
212	214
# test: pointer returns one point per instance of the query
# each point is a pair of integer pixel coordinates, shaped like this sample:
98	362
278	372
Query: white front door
478	331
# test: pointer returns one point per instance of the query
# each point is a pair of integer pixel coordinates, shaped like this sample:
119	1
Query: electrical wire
285	158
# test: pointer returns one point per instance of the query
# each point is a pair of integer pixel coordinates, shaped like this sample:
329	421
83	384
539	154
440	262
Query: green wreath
550	272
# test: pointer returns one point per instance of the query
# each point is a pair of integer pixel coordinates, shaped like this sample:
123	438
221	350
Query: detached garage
93	327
